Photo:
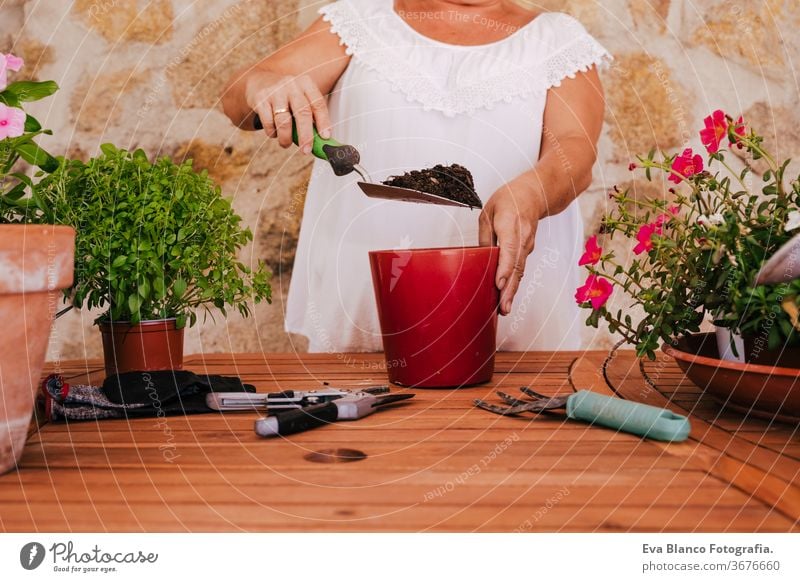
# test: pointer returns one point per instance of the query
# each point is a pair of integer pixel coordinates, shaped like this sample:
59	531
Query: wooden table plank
155	516
436	464
94	485
758	470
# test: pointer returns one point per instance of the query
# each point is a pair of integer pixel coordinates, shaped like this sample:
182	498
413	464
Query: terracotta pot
146	346
438	314
36	261
767	391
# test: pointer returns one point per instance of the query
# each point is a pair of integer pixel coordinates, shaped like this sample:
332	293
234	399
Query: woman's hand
510	219
573	120
279	98
292	81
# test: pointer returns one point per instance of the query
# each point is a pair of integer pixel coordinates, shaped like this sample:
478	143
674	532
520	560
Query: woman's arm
573	119
295	78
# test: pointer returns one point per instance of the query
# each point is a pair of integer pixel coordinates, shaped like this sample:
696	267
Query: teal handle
639	419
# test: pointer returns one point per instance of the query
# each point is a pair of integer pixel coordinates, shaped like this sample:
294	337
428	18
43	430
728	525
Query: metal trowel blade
406	195
783	266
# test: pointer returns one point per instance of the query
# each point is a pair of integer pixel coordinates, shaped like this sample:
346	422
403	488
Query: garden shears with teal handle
345	159
640	419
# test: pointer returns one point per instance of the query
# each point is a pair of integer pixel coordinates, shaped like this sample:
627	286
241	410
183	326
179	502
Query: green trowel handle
342	158
639	419
316	148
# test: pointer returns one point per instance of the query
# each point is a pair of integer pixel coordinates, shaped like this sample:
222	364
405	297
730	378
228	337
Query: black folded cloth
171	391
144	394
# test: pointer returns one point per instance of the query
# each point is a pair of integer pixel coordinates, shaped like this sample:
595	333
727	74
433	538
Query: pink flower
686	165
592	254
716	129
739	130
12	121
596	290
665	217
8	63
645	237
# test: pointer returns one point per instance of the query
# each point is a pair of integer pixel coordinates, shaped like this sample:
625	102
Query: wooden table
436	464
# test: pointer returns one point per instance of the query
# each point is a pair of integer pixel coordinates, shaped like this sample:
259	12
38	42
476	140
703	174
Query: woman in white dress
512	95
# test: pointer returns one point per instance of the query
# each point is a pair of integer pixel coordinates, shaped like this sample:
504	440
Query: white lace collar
457	79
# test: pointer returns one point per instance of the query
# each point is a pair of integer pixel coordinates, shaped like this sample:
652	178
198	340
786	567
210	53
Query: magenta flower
686	165
596	290
645	237
739	130
12	121
592	254
8	62
716	129
667	216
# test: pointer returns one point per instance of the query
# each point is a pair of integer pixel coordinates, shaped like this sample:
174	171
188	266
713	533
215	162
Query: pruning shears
288	399
351	407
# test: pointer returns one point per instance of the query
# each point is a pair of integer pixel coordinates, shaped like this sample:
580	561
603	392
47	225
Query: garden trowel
783	266
345	159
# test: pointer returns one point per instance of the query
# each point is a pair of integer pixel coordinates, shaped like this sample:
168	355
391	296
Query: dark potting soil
452	182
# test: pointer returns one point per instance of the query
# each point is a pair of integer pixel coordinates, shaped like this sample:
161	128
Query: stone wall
147	73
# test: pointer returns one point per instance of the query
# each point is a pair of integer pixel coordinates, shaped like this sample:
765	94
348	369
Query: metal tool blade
511	401
234	401
391	399
545	402
502	410
362	171
783	266
529	392
406	195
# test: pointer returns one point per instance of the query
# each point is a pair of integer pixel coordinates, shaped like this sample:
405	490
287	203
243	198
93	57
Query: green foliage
154	240
704	261
25	91
12	149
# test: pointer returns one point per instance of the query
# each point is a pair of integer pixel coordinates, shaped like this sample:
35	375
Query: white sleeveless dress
409	102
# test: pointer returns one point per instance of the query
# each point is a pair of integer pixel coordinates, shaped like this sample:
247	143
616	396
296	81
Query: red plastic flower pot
438	314
146	346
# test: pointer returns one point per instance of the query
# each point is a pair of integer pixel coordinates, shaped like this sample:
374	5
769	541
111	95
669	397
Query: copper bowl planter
762	390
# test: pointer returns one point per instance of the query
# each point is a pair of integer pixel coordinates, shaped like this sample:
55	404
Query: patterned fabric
137	395
88	403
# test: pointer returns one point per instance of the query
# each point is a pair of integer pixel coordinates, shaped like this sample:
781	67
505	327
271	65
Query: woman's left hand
510	219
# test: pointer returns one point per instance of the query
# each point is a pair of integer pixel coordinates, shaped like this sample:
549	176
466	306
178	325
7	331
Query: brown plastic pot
143	347
36	261
438	314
